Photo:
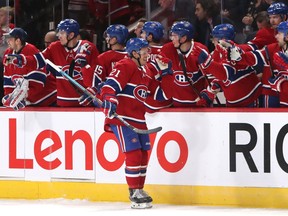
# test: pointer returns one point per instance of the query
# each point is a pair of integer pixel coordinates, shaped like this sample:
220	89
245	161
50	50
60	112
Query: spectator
208	16
234	10
277	13
25	87
249	20
262	21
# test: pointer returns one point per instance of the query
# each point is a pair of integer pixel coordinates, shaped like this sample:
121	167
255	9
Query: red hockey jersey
131	84
182	92
151	103
67	94
42	84
106	62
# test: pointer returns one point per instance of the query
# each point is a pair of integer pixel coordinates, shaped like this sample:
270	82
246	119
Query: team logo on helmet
119	31
140	92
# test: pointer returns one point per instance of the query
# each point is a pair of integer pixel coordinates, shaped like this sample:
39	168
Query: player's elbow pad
40	60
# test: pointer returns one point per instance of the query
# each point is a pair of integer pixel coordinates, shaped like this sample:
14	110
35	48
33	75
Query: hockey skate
140	199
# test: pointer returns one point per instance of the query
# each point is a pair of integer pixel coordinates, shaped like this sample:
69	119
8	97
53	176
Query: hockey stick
269	61
181	58
209	84
99	102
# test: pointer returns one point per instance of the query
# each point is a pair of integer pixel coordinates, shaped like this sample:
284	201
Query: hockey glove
164	65
16	99
6	101
234	53
204	58
109	105
18	60
281	59
223	52
85	99
275	82
215	87
80	59
207	98
81	56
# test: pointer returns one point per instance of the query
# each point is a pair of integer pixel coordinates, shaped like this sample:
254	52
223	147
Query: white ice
65	207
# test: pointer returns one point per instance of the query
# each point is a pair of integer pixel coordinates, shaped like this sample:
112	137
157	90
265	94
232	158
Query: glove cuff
111	98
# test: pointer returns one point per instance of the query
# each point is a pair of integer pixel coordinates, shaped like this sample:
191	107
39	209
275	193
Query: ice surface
59	207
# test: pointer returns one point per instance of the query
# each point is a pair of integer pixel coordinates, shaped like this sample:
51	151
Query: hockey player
265	56
75	57
116	37
278	12
279	82
188	79
24	87
128	84
240	84
153	32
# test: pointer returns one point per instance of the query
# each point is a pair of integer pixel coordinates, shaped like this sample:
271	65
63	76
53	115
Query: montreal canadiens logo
140	92
180	78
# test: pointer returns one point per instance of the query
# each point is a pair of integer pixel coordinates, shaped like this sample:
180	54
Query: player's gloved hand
109	105
164	65
19	105
17	98
215	87
204	58
6	101
99	86
80	59
281	60
85	99
276	81
234	53
222	51
18	60
82	53
207	98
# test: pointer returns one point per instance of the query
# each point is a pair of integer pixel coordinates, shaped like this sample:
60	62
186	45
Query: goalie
22	86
